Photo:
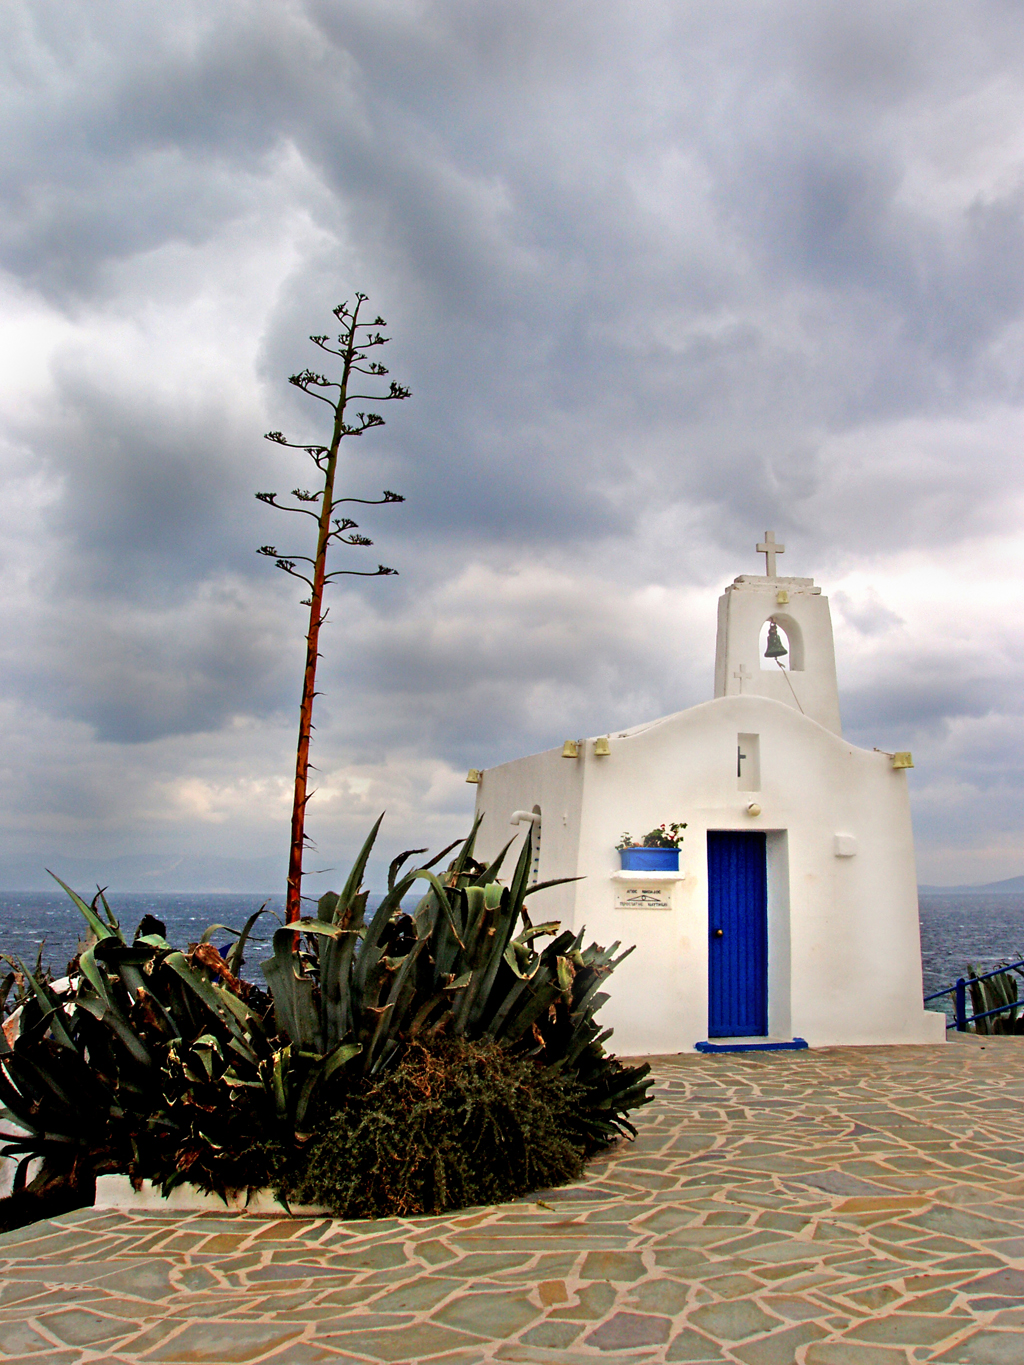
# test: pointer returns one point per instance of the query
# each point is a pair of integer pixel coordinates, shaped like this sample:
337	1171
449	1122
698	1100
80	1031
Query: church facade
793	916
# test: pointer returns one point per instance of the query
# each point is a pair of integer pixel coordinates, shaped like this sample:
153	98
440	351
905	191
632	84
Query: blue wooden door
738	934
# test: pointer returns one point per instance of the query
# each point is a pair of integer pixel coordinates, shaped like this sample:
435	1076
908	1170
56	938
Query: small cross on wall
769	548
743	674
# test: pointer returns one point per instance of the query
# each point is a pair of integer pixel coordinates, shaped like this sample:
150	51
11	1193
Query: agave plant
145	1054
169	1065
992	993
464	963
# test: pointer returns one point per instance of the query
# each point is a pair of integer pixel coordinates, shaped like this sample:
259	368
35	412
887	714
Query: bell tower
795	662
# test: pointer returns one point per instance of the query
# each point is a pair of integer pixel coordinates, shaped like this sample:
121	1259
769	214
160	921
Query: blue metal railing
958	990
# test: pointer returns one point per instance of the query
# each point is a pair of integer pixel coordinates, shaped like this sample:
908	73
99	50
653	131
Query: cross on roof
770	549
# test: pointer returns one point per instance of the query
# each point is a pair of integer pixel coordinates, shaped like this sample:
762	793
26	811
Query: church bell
774	649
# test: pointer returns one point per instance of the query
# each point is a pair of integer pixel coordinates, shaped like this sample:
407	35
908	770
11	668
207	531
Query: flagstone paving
837	1207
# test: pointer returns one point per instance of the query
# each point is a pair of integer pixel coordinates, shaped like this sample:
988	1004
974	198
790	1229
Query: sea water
961	930
30	920
957	928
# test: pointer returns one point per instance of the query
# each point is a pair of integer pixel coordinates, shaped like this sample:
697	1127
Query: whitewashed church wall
859	957
670	770
553	783
780	958
844	953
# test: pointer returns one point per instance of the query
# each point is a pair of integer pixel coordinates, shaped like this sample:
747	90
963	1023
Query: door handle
717	933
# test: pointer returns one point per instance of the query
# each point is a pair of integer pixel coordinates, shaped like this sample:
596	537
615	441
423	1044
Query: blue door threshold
750	1045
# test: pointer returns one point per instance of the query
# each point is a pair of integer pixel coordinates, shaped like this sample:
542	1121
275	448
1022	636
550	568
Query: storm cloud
660	277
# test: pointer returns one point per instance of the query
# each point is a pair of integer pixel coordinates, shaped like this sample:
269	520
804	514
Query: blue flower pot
649	859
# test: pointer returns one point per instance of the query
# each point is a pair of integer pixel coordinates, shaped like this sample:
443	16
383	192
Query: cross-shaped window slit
748	763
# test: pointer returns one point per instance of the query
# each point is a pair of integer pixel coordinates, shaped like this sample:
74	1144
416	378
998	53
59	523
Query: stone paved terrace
839	1207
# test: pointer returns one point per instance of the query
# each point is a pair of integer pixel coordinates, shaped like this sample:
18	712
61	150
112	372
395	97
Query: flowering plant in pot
657	851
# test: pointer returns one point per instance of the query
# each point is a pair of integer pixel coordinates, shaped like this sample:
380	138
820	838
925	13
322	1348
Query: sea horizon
958	929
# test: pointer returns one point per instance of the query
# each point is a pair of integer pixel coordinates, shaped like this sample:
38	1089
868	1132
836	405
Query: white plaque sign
642	897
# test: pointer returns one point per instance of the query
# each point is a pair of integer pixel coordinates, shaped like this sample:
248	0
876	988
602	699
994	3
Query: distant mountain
1012	886
142	872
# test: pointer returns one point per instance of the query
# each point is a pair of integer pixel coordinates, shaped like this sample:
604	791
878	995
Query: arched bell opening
781	644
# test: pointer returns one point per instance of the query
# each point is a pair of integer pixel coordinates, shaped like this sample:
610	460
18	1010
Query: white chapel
792	919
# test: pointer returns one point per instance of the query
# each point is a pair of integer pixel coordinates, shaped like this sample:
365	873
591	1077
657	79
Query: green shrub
453	1124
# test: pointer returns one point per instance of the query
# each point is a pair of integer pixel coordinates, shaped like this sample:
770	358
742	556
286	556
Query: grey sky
660	276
